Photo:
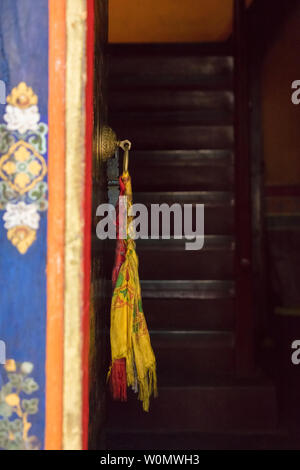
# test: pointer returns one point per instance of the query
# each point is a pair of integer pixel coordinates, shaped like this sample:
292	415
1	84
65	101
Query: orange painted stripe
56	225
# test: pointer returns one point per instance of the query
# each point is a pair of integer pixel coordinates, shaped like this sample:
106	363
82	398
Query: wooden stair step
218	207
211	243
192	340
191	314
183	289
186	265
206	49
183	356
185	137
182	170
202	117
168	69
207	408
209	198
184	158
154	100
166	107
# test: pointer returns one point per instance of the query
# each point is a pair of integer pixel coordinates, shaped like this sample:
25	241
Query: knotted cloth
133	360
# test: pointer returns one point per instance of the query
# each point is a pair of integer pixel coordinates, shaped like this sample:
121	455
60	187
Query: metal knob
108	143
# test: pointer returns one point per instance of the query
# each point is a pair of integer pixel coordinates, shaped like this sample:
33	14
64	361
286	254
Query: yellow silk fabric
129	333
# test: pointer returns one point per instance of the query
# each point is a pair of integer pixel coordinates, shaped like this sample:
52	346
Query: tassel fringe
118	383
146	387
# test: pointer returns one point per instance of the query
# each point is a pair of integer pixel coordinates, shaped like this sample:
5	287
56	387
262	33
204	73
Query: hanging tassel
117	377
118	380
133	360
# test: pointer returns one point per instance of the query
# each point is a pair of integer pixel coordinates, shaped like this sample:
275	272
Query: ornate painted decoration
23	144
16	407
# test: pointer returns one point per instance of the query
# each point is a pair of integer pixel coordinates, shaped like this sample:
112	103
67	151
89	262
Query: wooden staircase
176	104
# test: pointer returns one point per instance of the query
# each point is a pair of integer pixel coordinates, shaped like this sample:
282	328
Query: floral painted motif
21	214
23	191
22	167
22	120
15	408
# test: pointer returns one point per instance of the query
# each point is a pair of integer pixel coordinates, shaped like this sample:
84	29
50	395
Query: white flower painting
22	120
21	214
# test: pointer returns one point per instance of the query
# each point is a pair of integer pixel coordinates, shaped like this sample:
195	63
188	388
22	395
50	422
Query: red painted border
87	221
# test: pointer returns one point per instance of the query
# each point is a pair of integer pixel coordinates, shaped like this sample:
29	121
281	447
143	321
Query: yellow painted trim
75	166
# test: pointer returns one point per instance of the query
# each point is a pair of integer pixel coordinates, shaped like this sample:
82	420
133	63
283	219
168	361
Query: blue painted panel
23	58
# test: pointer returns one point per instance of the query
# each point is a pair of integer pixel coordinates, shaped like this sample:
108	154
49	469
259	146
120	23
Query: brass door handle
109	144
